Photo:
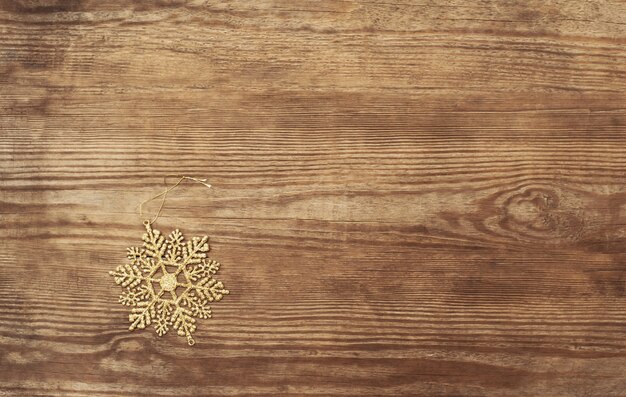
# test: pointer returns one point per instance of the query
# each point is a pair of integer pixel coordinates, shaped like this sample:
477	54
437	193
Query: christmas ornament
169	282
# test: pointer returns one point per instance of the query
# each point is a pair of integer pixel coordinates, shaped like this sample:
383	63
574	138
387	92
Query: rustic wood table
409	198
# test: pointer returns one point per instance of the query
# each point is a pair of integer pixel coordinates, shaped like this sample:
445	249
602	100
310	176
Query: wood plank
422	199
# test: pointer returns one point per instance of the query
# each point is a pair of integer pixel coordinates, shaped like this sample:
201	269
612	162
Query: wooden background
418	198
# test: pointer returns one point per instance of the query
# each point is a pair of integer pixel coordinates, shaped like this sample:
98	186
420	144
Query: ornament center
168	282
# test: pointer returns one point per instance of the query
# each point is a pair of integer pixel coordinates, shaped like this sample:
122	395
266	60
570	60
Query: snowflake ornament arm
169	283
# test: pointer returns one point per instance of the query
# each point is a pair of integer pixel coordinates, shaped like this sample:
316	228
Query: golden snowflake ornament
169	283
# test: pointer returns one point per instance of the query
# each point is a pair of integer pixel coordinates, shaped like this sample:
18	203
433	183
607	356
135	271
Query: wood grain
410	198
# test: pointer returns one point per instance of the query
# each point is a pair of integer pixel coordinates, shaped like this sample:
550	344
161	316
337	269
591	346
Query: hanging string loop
164	193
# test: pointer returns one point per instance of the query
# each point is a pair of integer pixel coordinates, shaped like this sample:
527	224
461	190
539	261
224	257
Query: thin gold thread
164	194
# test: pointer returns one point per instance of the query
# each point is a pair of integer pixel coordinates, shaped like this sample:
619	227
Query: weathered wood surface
410	198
